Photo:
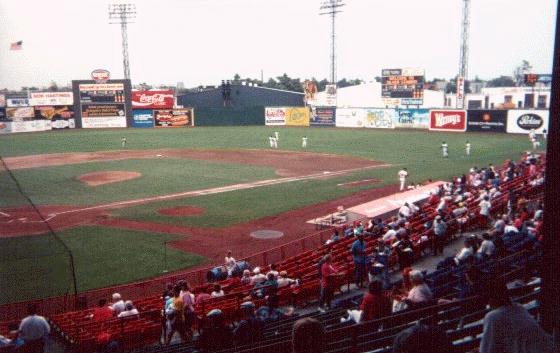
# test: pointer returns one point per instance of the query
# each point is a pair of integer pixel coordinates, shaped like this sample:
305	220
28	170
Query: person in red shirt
375	305
102	312
327	288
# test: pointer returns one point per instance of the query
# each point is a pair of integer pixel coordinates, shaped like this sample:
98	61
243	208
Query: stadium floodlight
123	14
332	7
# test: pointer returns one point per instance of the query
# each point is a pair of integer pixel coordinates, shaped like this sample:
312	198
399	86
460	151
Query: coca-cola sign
448	120
529	121
162	99
100	75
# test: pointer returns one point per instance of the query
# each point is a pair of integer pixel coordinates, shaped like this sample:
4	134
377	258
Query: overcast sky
205	41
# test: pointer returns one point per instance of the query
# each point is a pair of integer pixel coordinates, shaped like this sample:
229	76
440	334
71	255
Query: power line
123	14
331	8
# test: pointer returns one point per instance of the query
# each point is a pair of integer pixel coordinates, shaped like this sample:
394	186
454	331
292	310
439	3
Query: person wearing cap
258	277
249	329
129	310
215	335
440	229
118	304
509	327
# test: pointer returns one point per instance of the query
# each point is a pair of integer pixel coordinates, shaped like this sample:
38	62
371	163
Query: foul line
217	190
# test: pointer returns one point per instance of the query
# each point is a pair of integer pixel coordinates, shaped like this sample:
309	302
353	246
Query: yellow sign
296	116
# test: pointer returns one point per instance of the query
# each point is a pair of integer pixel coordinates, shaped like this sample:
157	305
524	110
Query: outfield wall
518	121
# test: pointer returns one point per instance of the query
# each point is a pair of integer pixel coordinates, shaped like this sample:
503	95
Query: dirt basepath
286	163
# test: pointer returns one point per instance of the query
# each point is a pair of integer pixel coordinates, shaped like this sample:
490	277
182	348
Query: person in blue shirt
359	255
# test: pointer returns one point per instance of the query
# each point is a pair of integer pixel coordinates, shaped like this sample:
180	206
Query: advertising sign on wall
24	126
160	99
380	118
448	120
412	118
61	117
2	100
523	121
17	102
350	117
143	118
323	116
51	98
102	105
173	117
275	116
297	116
21	113
460	92
3	114
487	120
330	96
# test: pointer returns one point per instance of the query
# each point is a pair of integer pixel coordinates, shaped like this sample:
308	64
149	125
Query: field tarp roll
350	117
522	121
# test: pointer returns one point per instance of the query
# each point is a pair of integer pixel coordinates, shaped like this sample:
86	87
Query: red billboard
448	120
162	99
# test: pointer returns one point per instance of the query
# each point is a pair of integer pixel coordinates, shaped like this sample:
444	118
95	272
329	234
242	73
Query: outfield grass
59	185
37	266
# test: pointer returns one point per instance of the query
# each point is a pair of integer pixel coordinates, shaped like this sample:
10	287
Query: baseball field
179	198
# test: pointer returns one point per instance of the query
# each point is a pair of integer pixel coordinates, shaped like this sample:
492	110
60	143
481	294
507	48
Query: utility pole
123	14
464	55
331	8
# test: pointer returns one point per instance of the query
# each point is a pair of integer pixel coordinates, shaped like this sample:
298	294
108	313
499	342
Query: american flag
16	45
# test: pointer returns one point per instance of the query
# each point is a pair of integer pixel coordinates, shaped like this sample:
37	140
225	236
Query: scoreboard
406	85
102	105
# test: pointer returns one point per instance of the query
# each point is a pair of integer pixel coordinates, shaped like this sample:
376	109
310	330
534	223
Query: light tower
464	55
332	7
123	14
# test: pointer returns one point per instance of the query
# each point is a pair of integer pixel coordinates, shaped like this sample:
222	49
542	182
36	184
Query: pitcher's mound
267	234
181	211
107	177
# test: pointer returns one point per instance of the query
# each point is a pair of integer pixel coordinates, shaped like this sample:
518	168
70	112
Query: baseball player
544	133
274	142
536	143
270	141
532	134
403	174
276	135
444	149
304	142
123	142
468	148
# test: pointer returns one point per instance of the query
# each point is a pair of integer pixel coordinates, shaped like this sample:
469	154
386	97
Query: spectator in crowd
34	331
500	224
334	238
466	252
509	327
249	329
511	228
11	340
359	256
215	335
102	312
440	230
322	261
420	293
230	263
375	305
217	292
405	211
118	304
175	316
485	206
390	234
308	336
129	310
246	277
381	257
188	307
327	285
273	270
201	297
405	252
270	285
487	247
258	277
167	292
284	280
422	338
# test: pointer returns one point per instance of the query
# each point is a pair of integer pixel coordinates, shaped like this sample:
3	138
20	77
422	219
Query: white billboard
275	116
523	121
350	117
380	118
51	98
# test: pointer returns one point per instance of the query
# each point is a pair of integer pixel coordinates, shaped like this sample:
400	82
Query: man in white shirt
118	304
510	228
465	253
445	149
420	292
390	235
485	206
129	310
468	148
404	211
487	246
258	277
33	330
403	174
510	328
230	263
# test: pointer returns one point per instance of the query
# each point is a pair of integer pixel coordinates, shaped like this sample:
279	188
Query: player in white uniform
444	149
276	135
544	132
123	142
304	142
274	142
468	148
270	141
403	174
